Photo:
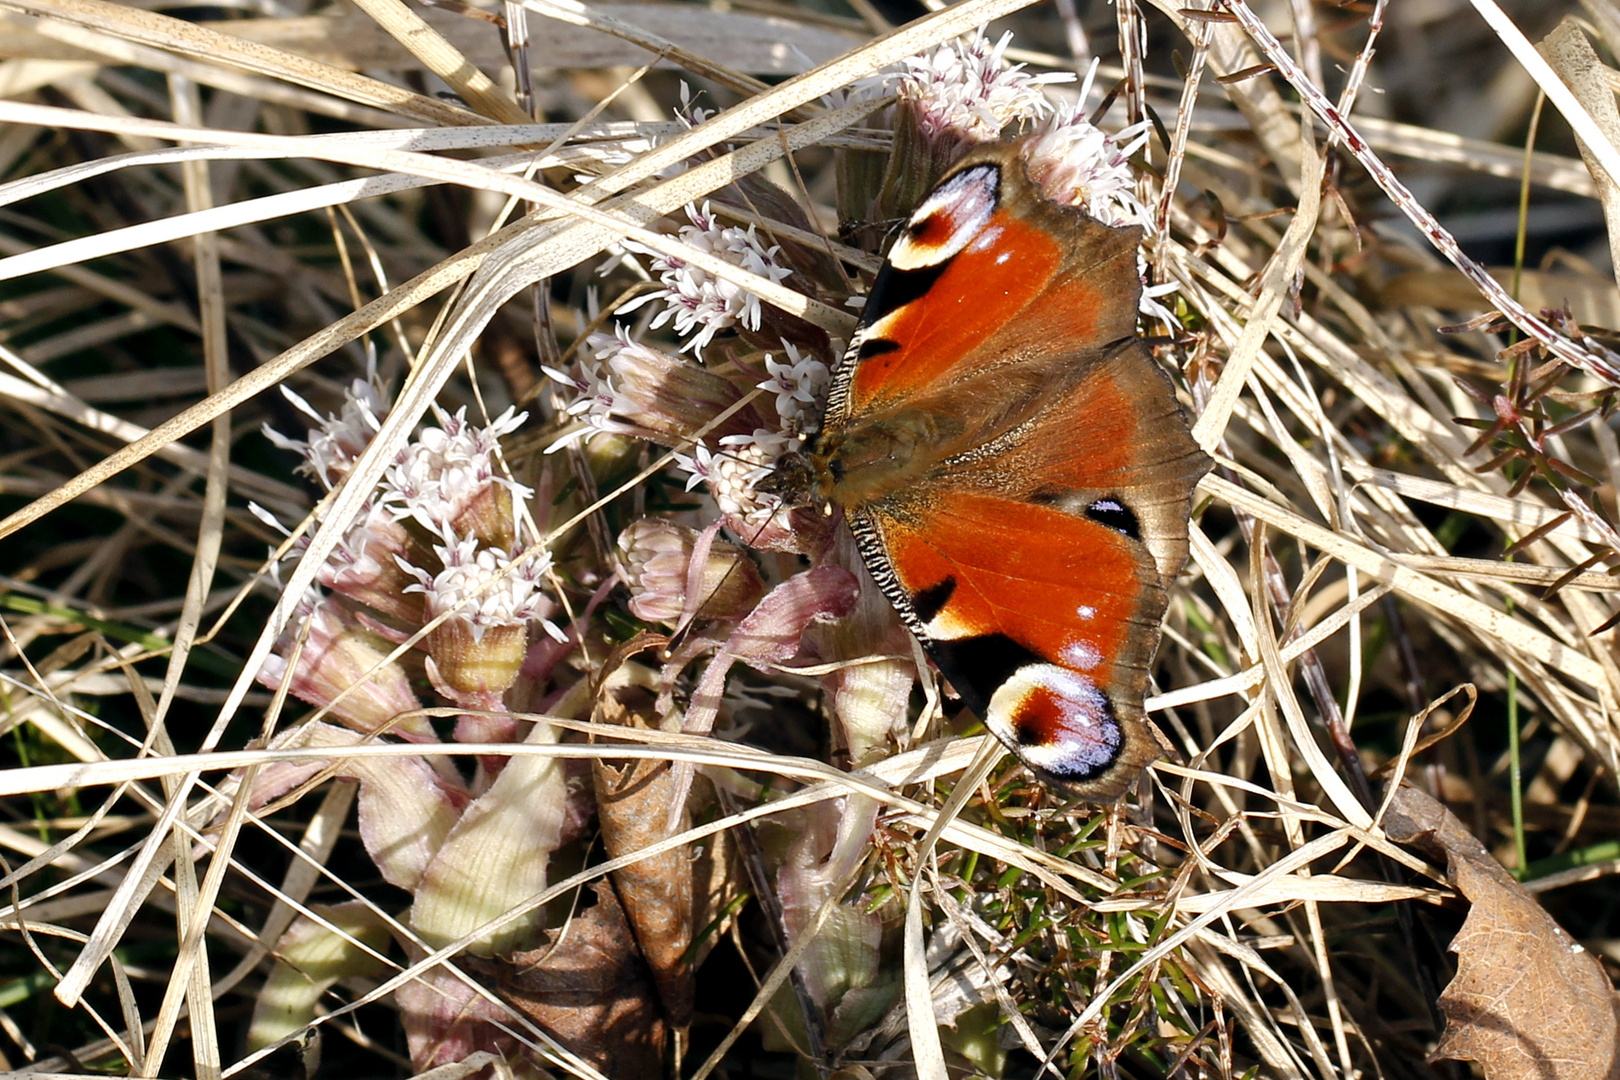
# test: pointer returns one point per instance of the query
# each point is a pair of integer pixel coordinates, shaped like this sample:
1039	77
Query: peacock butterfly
1014	466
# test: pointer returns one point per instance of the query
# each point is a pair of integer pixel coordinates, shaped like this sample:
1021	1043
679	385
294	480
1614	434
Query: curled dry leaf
1528	1003
591	989
657	891
669	897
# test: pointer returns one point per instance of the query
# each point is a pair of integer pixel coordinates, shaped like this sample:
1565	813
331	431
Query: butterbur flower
1078	164
331	446
800	385
657	558
760	519
364	567
702	306
733	473
630	388
967	92
345	669
447	479
489	599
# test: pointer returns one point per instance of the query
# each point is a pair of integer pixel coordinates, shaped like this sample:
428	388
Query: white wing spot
1082	655
964	204
987	240
1086	611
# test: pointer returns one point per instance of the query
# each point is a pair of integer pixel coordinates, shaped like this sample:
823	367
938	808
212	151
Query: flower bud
335	655
657	557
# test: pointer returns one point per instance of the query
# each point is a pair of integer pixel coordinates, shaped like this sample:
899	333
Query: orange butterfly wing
1016	469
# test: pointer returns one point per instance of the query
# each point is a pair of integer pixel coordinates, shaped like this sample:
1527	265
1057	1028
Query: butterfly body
1015	467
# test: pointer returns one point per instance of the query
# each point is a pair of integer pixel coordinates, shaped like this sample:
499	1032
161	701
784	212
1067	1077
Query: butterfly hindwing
1034	572
1045	647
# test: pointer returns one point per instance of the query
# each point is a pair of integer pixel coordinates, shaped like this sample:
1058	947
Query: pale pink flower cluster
734	471
700	305
1079	164
967	87
329	448
800	385
964	88
615	359
443	524
436	478
484	587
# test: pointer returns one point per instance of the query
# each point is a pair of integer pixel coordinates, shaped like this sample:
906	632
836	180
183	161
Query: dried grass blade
1465	610
212	46
1606	367
445	60
1274	283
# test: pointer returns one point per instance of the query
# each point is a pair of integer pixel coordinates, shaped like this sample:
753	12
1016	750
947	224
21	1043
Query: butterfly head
801	478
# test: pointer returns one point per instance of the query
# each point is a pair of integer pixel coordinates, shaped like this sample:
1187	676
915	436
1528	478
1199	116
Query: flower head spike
447	478
490	597
365	566
702	306
332	445
966	90
1078	164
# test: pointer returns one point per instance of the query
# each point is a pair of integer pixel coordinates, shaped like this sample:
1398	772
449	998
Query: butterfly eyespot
952	215
1115	515
1061	720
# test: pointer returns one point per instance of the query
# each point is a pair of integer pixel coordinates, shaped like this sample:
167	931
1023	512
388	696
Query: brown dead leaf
590	989
633	805
1527	1003
667	897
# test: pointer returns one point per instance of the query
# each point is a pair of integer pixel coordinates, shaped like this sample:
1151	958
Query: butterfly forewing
969	287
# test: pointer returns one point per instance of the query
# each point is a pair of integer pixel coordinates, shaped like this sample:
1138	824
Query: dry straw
1346	594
